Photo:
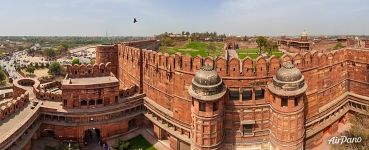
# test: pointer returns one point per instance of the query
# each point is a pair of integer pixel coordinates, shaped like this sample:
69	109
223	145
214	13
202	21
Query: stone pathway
231	53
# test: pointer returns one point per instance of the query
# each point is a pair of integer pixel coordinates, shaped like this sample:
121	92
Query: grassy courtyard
197	48
252	53
136	143
139	142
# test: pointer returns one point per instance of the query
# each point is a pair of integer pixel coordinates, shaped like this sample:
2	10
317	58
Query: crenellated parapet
82	71
247	67
108	54
328	74
11	106
49	91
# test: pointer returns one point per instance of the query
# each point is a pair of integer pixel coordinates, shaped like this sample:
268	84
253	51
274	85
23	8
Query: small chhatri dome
288	81
207	85
304	33
288	73
207	76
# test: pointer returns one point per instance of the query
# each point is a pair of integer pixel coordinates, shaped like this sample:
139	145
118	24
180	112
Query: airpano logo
344	139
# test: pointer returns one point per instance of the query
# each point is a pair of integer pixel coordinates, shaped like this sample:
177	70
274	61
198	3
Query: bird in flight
134	20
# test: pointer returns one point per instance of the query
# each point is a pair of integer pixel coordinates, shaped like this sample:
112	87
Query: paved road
9	66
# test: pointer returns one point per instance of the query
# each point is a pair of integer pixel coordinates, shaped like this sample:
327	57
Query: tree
75	61
359	128
167	41
30	69
92	61
187	33
121	145
270	47
262	43
50	53
338	46
63	47
55	68
2	75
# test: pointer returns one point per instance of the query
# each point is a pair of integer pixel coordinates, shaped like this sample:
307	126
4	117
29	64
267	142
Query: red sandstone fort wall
167	78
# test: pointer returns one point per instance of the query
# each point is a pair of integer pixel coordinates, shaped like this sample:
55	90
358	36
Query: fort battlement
247	67
11	106
20	97
166	78
43	92
83	71
255	107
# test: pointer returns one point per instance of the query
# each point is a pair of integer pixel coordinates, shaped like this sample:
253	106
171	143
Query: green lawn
139	142
196	48
252	53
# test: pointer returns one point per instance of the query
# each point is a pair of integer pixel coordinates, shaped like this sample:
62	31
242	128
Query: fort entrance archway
92	138
48	133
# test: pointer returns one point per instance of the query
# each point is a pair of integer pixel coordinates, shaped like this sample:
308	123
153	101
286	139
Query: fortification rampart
167	77
144	44
82	71
45	91
20	97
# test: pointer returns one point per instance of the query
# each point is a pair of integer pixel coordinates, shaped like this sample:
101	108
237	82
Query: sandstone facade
248	115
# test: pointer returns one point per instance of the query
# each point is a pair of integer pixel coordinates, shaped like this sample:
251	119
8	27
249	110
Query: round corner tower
287	96
108	53
207	91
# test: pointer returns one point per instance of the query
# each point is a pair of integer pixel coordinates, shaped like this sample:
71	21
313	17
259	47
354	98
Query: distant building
301	44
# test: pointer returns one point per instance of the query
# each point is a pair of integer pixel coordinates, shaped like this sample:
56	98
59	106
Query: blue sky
236	17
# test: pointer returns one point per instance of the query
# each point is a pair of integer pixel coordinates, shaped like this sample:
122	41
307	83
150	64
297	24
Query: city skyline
236	17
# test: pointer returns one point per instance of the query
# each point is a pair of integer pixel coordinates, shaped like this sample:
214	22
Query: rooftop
90	80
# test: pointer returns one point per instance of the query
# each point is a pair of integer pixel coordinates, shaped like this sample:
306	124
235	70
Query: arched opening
99	101
65	103
83	103
48	133
132	124
92	138
89	71
91	102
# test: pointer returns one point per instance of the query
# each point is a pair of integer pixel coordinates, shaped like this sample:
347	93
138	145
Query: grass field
196	48
252	53
139	142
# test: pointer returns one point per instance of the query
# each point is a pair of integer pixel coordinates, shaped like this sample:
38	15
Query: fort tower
287	94
207	91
